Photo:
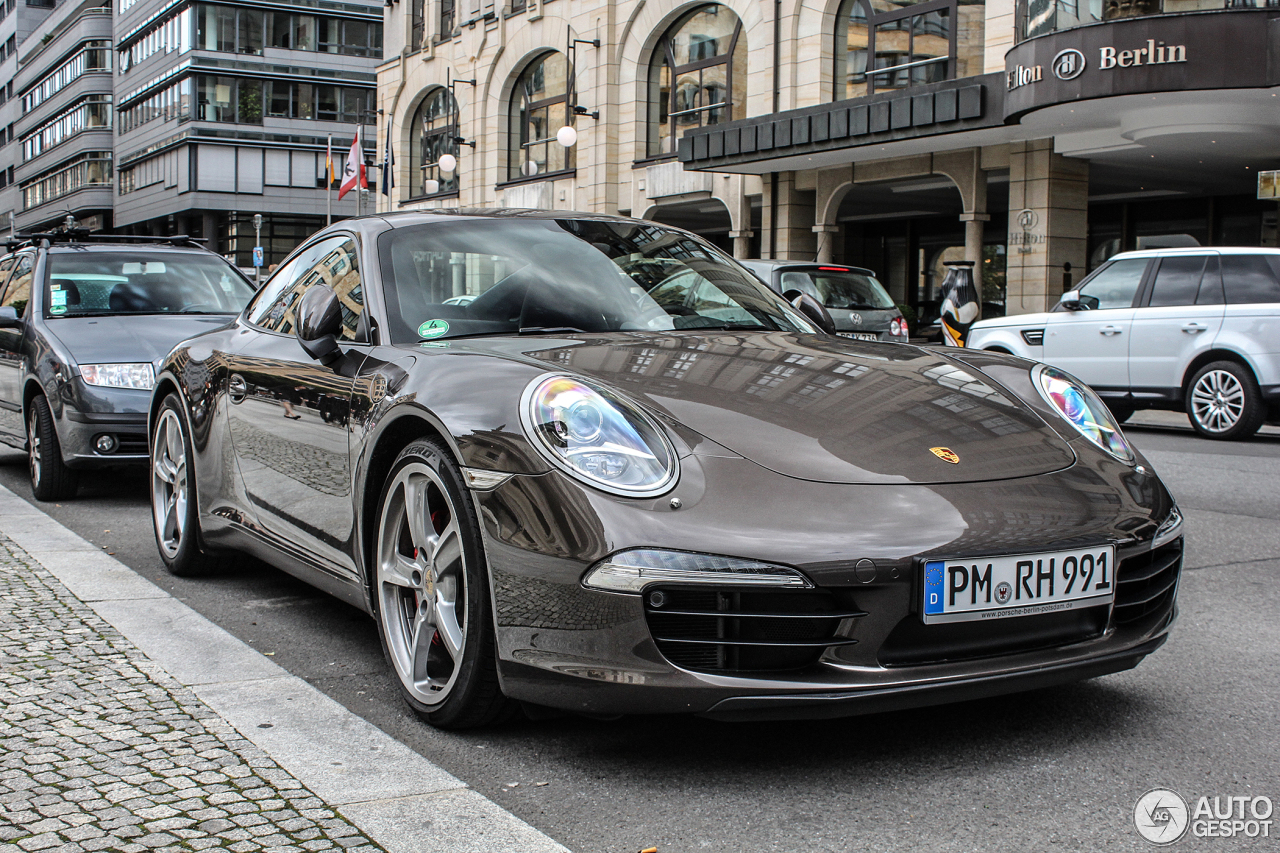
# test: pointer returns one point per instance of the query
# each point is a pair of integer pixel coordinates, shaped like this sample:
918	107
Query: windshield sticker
57	309
434	344
57	297
433	329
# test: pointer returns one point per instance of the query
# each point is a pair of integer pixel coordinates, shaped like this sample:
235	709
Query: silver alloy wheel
33	445
1217	401
421	583
169	483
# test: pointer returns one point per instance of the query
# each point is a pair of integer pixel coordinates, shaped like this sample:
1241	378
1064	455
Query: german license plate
860	336
1001	587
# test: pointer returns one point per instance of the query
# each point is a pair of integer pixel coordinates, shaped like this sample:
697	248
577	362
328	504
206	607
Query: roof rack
82	235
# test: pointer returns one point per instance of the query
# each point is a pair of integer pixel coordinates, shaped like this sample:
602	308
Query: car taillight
898	327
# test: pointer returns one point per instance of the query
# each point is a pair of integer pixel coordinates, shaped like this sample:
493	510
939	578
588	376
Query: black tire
449	684
174	513
1120	411
1223	401
51	479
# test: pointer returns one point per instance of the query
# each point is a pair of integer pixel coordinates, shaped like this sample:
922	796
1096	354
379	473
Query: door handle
1110	330
1192	328
237	388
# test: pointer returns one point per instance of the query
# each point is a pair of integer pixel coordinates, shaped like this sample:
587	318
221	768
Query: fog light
105	444
657	598
632	571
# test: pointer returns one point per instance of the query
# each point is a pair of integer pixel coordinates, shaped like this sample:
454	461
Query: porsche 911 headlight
598	437
140	376
632	571
1083	409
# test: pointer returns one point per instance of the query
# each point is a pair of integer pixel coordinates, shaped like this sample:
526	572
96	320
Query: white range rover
1191	330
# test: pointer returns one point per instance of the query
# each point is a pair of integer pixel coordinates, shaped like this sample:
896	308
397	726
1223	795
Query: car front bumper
563	645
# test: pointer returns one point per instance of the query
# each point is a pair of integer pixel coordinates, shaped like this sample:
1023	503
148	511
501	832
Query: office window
436	128
539	107
893	44
697	77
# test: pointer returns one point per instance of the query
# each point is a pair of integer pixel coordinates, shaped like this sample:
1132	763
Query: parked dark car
856	301
626	477
83	326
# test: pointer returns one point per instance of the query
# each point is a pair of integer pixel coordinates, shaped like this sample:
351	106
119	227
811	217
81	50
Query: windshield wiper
549	330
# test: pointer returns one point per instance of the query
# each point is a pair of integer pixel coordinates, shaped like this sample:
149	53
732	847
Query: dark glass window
1211	284
893	44
435	124
1177	281
1249	279
697	77
333	262
539	108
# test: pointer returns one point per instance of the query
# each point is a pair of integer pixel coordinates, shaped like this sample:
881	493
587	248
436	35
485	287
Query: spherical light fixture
448	163
529	169
432	186
567	136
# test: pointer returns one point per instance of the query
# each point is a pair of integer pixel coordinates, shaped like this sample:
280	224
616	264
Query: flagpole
359	166
328	182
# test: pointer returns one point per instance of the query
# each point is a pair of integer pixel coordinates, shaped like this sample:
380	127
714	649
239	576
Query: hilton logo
1068	64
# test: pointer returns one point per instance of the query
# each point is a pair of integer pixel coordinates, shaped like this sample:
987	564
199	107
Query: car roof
1196	250
409	218
127	247
774	262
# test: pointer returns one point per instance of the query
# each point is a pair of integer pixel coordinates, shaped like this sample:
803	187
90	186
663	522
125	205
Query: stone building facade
1034	137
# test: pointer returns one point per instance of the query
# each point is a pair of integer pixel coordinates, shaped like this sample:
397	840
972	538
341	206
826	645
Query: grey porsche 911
592	463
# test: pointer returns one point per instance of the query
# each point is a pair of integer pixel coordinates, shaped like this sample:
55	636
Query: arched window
892	44
434	129
697	77
540	106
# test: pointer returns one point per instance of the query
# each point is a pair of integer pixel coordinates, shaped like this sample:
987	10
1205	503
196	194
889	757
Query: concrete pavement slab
190	647
332	751
94	576
456	821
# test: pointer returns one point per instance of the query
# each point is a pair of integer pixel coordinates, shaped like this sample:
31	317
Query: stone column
1048	223
795	219
741	243
826	235
973	228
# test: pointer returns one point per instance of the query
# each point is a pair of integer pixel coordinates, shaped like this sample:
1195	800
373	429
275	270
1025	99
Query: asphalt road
1053	769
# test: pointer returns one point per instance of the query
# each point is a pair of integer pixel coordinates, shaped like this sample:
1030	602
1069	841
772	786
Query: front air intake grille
136	444
1147	583
711	630
1033	337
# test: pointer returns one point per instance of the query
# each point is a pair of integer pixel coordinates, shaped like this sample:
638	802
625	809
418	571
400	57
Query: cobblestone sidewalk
102	750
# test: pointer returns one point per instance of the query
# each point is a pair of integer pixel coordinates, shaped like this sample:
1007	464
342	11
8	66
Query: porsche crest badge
945	454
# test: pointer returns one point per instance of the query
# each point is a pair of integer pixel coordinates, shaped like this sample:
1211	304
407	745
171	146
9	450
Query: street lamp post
257	249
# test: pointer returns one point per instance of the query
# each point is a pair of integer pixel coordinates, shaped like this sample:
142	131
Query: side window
1211	284
332	262
18	293
1178	281
1115	285
1249	279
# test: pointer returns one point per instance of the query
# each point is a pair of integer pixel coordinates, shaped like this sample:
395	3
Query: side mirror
318	322
1070	301
813	310
9	318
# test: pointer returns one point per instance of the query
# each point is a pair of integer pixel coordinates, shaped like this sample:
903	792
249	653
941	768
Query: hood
825	410
136	338
1020	320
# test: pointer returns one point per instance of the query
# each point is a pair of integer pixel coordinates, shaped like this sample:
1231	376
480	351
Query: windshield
84	284
838	288
529	276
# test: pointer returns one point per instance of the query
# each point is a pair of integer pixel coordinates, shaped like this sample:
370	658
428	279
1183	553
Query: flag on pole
328	162
388	166
353	173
